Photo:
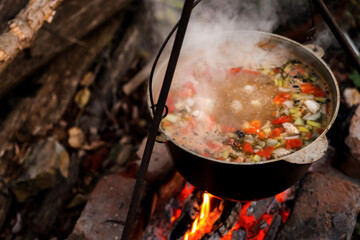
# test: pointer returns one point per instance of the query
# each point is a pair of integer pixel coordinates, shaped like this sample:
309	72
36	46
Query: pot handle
311	153
316	49
161	137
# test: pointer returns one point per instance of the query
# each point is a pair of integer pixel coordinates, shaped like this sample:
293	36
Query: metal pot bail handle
156	60
311	153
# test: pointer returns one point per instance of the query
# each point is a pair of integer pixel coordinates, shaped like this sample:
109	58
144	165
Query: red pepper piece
266	152
282	119
256	73
280	98
276	132
309	88
293	143
318	92
234	70
247	148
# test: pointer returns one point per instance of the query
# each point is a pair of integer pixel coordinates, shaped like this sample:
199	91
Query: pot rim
322	135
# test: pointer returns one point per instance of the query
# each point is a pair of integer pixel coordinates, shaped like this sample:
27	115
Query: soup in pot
247	111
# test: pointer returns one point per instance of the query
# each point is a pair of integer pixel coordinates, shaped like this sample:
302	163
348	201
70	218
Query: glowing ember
249	223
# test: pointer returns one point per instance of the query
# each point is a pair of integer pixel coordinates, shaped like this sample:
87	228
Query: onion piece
310	116
312	105
281	89
288	104
271	142
290	128
280	152
291	137
171	118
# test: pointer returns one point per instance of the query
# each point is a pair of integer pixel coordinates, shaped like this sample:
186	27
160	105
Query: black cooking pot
250	181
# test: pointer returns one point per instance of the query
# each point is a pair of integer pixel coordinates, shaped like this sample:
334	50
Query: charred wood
5	203
273	228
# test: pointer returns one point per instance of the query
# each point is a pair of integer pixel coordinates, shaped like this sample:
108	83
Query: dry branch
23	28
73	20
138	79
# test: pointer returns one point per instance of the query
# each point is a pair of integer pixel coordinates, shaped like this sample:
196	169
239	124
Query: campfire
199	215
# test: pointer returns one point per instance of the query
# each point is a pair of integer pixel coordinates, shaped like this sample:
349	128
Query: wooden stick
23	29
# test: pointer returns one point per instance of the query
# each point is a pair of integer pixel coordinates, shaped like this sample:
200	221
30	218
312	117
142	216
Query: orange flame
203	223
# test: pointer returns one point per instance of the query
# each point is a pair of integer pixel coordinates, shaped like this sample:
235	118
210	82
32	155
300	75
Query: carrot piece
280	98
293	143
255	124
266	152
262	135
254	127
282	119
247	148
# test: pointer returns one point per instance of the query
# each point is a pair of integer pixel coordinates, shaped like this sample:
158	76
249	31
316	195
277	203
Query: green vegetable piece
313	123
225	154
355	77
256	158
294	110
303	129
313	78
296	96
299	122
320	99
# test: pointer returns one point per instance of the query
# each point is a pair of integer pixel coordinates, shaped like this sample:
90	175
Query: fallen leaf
76	137
87	80
82	97
64	163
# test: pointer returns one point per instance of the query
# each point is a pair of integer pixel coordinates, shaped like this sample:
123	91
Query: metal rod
180	34
334	27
